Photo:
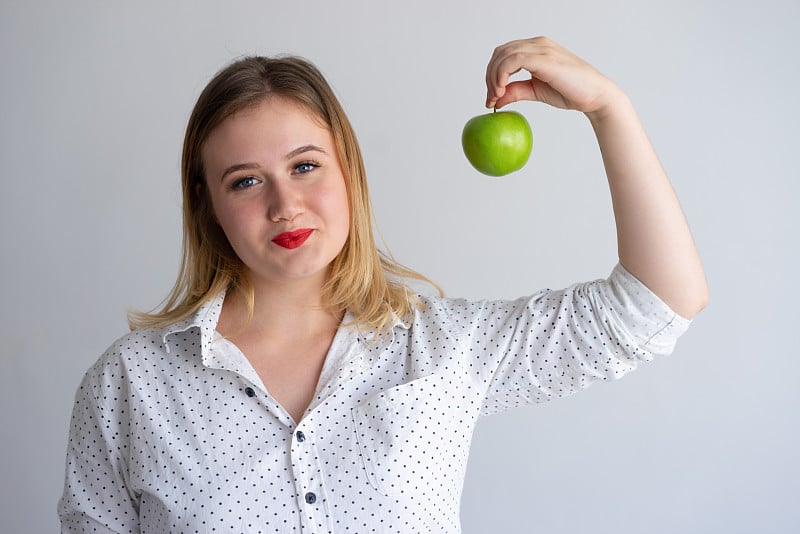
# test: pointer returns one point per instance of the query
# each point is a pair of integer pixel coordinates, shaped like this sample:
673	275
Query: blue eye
244	183
306	166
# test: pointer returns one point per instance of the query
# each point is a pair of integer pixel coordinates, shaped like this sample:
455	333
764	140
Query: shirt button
250	391
311	498
300	436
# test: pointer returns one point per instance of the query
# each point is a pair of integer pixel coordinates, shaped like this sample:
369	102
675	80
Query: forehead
276	124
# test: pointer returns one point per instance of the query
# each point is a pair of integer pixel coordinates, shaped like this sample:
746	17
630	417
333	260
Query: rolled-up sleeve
555	343
632	308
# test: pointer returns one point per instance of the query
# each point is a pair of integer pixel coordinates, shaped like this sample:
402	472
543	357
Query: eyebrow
296	152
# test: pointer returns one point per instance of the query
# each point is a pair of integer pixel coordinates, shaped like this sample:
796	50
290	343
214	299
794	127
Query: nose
285	201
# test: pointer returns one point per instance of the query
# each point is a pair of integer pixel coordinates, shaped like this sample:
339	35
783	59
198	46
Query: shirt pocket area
409	439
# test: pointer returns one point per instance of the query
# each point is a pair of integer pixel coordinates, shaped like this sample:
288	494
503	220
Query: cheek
233	221
337	206
339	218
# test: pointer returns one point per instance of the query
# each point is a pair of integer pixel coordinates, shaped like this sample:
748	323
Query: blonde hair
362	280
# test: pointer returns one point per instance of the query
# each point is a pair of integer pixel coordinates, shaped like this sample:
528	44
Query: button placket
268	403
303	461
308	475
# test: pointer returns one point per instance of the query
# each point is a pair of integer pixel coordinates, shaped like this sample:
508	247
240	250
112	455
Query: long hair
361	279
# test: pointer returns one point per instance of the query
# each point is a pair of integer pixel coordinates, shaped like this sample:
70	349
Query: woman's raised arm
653	238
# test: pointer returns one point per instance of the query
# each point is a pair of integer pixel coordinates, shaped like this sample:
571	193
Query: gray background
93	101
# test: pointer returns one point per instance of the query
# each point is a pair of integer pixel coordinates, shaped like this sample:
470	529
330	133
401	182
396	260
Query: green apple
497	143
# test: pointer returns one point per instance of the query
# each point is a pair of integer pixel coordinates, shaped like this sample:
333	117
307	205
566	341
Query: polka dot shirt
173	431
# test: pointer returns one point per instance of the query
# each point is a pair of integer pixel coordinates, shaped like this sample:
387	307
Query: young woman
291	382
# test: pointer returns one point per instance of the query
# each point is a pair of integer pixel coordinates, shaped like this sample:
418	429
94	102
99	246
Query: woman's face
278	191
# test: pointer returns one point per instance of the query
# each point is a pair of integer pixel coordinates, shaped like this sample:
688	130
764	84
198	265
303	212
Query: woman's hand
558	77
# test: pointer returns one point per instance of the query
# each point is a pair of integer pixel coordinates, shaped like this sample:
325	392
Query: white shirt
173	431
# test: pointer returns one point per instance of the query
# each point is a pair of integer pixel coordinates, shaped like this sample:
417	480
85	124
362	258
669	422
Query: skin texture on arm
653	237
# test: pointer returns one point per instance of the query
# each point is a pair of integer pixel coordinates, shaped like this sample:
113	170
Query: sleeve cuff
652	322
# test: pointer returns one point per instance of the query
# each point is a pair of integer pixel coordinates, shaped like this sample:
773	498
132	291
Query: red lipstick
292	239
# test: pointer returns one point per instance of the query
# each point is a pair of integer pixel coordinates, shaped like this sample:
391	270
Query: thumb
515	91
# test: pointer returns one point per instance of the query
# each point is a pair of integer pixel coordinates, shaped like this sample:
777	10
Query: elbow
703	300
696	303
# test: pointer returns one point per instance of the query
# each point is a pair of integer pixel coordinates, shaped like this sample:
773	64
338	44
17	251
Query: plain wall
93	102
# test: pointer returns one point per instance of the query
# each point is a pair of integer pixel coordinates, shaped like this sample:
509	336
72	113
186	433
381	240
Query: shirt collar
401	322
385	337
207	316
205	319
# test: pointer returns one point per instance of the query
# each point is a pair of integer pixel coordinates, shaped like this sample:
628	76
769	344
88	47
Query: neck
286	310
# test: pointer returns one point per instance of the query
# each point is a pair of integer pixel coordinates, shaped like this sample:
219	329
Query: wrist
614	103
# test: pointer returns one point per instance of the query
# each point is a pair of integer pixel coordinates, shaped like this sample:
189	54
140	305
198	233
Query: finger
515	91
507	60
497	91
498	88
500	68
494	90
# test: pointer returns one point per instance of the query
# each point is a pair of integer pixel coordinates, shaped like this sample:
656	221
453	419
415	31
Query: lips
292	239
